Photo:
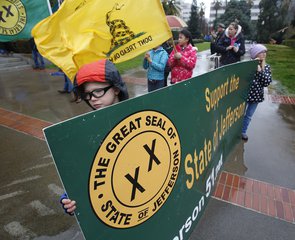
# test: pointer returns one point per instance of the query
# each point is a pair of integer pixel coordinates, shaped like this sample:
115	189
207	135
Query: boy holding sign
100	85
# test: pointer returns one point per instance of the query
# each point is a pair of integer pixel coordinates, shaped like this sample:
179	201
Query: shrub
198	41
20	46
289	42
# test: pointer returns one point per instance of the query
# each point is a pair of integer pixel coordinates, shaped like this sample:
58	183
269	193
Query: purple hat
256	49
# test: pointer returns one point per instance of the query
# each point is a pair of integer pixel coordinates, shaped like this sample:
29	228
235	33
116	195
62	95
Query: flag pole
174	47
49	7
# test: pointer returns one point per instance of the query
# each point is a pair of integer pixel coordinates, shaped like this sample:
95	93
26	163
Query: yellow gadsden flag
83	31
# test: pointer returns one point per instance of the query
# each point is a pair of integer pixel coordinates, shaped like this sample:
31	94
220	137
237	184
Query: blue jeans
250	109
155	84
68	86
36	56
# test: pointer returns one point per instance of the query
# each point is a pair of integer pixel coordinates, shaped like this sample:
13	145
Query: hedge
289	42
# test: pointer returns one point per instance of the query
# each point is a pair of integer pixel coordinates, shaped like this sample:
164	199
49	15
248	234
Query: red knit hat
102	71
92	72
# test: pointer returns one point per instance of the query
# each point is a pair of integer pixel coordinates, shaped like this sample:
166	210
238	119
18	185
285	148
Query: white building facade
185	9
221	10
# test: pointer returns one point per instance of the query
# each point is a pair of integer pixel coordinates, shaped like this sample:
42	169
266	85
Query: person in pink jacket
183	58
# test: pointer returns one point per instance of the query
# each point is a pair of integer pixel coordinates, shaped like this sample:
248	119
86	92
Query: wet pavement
254	198
275	154
224	221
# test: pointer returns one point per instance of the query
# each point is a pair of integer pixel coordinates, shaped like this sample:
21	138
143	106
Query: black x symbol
151	152
8	12
1	18
135	183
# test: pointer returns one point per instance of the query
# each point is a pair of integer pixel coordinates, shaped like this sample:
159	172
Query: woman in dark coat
231	46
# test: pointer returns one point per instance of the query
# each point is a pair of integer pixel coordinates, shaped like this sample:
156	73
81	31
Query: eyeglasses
97	93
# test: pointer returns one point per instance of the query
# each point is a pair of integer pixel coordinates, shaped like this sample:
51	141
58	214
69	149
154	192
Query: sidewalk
254	197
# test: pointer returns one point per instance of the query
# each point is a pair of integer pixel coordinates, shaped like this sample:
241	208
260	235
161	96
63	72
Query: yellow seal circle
13	17
135	169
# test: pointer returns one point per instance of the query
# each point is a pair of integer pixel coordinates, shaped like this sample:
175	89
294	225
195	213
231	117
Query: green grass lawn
203	46
130	64
282	61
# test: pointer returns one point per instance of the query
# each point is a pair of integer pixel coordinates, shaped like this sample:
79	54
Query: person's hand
69	205
262	64
236	49
177	55
148	57
213	34
229	48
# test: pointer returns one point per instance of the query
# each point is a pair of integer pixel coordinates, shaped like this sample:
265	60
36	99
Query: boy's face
107	96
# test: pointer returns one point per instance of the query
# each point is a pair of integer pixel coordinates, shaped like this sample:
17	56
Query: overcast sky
207	4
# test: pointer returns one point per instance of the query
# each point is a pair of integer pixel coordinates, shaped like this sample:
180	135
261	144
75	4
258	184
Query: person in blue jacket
155	62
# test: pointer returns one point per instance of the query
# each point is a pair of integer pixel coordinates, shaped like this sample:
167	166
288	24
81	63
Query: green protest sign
145	168
18	17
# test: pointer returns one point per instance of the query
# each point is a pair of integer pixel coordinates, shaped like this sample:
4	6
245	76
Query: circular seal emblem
135	169
13	17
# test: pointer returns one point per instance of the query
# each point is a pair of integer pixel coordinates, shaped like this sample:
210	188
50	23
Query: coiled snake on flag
120	32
